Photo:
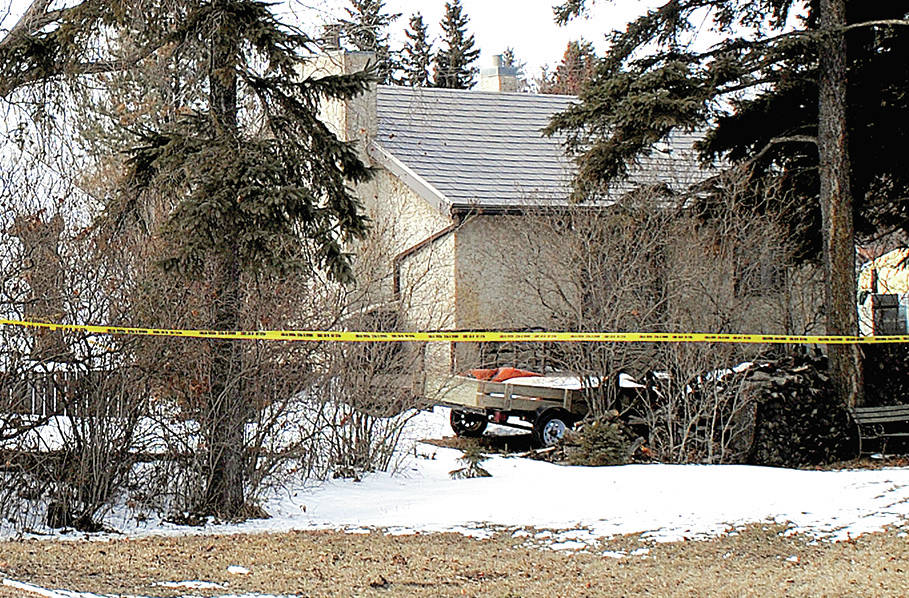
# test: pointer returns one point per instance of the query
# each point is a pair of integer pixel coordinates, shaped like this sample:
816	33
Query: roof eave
516	209
414	181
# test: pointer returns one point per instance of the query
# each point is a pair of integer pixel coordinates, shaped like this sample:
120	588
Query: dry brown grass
751	563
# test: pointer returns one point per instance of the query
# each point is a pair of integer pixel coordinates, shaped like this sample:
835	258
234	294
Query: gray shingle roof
486	149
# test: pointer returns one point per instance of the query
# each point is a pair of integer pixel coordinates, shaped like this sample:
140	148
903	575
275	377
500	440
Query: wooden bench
881	423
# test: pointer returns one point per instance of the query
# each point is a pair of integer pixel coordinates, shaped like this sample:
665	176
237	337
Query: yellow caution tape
470	337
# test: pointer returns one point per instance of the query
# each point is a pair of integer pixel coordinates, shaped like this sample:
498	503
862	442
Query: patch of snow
626	381
37	591
237	570
667	502
190	585
33	590
560	381
559	504
358	531
569	545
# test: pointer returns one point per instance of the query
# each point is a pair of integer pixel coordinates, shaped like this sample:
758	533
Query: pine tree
510	60
367	30
416	58
453	68
262	190
777	103
576	69
471	459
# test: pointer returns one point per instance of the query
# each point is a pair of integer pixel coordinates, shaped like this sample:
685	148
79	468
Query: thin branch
26	23
36	18
804	33
780	140
880	23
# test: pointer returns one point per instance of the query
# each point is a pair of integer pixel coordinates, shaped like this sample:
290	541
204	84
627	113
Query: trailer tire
550	426
467	424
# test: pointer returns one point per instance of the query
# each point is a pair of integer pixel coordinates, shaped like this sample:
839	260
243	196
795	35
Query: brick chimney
498	77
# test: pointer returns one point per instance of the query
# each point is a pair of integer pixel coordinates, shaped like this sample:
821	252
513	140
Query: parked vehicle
547	406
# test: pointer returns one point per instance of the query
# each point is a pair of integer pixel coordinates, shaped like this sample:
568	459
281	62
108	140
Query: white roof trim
418	184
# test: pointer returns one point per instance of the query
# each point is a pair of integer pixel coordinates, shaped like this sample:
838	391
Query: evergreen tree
576	70
471	459
775	102
367	30
453	68
416	59
510	60
252	182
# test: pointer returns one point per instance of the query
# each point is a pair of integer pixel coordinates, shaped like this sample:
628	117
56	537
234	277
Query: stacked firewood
798	419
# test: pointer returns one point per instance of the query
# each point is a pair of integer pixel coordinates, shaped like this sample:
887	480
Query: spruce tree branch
34	18
30	26
780	140
743	86
811	34
879	23
36	74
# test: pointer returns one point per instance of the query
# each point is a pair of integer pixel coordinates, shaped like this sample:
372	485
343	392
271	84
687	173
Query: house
458	174
883	294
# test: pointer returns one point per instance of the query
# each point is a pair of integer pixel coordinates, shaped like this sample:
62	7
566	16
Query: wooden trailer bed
517	394
549	404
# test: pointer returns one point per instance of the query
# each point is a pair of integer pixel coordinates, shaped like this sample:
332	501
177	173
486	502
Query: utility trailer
550	405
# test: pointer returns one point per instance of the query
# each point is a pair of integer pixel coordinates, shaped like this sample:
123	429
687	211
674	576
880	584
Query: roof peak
473	92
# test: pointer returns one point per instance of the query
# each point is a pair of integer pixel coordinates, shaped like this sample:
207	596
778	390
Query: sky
526	25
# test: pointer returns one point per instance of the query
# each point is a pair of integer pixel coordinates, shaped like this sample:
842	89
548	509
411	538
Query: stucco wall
393	205
426	281
494	258
401	219
353	120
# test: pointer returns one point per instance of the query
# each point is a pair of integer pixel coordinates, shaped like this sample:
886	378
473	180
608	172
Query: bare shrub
692	412
312	410
370	391
643	265
72	402
185	405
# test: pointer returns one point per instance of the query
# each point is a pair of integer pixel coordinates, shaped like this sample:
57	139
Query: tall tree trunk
836	202
227	412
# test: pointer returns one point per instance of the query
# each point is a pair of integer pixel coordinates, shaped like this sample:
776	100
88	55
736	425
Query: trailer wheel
467	424
550	426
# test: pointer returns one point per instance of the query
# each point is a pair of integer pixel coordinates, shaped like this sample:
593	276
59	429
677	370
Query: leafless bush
310	410
692	412
644	266
71	402
369	391
185	406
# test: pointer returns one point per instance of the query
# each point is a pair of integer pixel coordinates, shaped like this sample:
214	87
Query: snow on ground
571	508
662	502
33	590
